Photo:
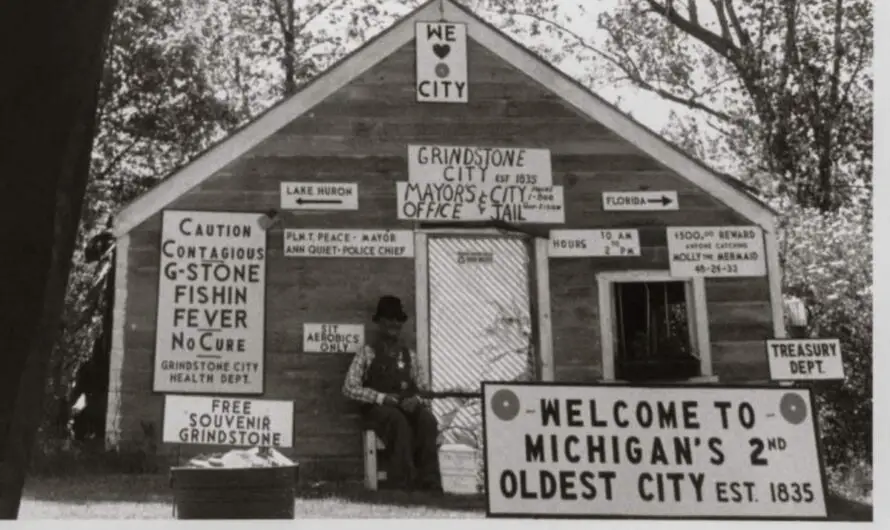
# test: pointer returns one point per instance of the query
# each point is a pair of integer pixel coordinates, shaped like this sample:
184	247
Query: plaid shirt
353	387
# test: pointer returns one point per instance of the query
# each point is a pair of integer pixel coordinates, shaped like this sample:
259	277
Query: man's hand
391	400
411	403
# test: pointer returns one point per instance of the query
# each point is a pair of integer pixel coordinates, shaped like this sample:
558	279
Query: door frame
539	293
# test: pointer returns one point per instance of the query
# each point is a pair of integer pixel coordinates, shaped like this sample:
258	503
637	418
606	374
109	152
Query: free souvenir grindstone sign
441	62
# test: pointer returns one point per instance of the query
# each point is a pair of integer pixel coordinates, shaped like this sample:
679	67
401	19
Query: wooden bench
372	451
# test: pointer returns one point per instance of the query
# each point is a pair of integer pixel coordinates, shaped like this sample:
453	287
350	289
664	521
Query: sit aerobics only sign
659	452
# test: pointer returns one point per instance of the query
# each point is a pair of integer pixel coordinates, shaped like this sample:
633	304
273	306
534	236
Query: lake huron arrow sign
319	196
640	200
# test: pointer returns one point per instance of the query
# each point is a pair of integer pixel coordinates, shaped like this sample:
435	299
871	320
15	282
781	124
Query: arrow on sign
301	200
663	200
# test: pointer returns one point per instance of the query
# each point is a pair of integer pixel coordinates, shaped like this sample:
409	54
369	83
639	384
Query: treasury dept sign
211	304
660	452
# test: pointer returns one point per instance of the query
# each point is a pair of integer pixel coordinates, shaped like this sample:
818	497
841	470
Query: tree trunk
52	55
290	49
290	73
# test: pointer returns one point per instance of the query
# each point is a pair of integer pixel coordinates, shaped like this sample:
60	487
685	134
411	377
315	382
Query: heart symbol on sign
441	50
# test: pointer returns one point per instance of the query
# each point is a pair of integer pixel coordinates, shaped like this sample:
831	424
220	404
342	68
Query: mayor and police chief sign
651	452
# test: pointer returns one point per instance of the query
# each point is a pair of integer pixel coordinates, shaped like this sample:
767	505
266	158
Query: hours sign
594	243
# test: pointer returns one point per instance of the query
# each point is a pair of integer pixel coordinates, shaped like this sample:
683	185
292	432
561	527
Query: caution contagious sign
211	304
606	451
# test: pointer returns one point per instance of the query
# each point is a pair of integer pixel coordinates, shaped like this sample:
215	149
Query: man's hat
390	307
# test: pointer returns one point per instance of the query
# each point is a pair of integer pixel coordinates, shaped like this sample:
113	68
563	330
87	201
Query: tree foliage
827	262
787	85
180	75
157	106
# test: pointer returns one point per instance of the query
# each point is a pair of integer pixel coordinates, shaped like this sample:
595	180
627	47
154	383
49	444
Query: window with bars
653	335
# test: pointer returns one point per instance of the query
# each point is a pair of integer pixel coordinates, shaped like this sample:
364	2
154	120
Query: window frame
696	303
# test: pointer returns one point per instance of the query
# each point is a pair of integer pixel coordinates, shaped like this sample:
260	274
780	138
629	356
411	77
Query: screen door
480	320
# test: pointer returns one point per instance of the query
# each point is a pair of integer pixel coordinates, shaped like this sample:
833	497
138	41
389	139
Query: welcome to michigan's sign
661	452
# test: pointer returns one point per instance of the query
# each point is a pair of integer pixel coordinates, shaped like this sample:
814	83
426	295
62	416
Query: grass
150	497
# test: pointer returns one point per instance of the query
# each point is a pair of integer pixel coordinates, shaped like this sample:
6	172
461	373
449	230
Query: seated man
386	379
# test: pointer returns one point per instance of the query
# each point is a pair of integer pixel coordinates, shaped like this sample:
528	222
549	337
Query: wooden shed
511	209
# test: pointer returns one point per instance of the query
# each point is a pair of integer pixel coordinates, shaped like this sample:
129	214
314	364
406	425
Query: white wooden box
460	484
459	466
454	459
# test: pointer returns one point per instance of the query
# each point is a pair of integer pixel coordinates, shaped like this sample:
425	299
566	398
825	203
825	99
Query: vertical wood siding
360	135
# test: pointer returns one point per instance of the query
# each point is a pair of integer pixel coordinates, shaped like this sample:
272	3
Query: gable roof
724	188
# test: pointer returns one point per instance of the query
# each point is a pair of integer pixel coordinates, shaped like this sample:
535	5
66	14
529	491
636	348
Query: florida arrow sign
640	200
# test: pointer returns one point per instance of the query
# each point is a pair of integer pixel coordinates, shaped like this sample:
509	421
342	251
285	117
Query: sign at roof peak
441	55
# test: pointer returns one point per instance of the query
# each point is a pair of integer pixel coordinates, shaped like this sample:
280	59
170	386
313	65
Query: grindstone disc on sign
793	408
505	404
